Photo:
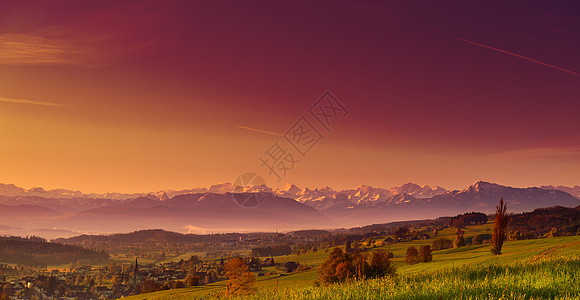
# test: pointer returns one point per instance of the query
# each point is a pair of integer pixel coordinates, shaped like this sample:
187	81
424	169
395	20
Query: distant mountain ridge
67	200
479	197
482	196
13	190
287	208
188	212
574	191
290	190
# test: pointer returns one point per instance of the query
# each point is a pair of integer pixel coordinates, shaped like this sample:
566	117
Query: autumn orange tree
241	280
499	227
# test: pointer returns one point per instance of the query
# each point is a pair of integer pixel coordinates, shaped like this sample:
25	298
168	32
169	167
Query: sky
138	96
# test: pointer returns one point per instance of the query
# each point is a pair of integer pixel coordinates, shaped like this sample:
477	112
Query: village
146	273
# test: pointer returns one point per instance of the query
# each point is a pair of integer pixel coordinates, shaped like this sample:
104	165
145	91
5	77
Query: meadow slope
527	269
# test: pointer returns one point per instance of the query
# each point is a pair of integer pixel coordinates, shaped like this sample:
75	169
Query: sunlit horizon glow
140	96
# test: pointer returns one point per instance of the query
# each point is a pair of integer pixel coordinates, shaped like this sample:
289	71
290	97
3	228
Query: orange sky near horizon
138	97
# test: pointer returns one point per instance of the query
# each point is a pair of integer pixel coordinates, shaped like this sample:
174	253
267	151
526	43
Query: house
104	291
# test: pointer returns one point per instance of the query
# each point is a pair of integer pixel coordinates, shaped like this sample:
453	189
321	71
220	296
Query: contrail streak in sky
461	39
25	101
260	130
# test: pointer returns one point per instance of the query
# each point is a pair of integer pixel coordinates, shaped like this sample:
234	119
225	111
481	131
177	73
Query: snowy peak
11	190
290	188
417	191
256	189
408	187
366	196
222	188
364	189
227	187
481	186
401	198
483	197
161	196
574	191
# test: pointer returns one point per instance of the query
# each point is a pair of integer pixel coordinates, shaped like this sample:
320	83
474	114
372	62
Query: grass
527	269
548	278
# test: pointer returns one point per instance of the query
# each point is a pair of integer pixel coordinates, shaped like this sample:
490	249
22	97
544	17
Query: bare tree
499	227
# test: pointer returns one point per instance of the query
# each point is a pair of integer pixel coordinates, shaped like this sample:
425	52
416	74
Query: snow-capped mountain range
319	198
286	208
13	190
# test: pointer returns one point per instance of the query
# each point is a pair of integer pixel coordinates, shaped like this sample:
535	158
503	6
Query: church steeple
135	271
134	281
136	268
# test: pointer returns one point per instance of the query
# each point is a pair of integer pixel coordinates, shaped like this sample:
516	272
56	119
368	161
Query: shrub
347	246
179	284
471	218
192	280
149	286
425	253
459	241
554	232
402	232
412	255
442	243
381	264
514	235
340	266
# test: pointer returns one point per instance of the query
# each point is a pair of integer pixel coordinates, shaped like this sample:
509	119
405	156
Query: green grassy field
527	269
552	278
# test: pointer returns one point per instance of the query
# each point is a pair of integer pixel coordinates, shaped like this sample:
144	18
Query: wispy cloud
26	101
542	153
25	49
94	38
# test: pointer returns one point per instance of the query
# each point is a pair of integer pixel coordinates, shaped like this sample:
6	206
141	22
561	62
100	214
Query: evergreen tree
499	226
